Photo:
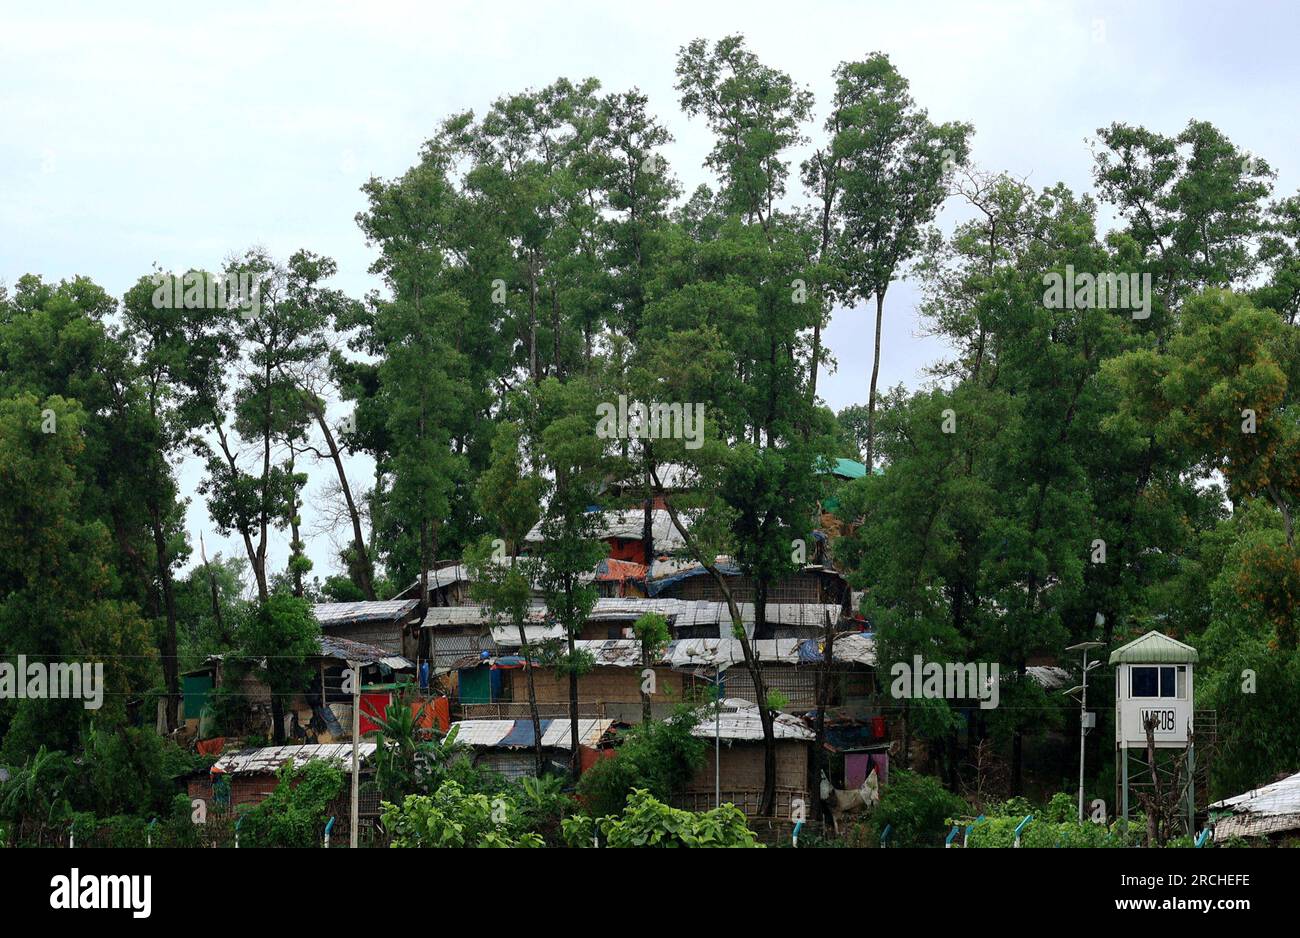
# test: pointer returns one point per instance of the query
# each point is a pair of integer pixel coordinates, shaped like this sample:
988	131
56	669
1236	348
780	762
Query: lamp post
1085	723
356	744
717	739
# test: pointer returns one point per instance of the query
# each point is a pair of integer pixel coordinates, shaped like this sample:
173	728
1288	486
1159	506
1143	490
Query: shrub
917	808
452	817
660	756
294	815
648	822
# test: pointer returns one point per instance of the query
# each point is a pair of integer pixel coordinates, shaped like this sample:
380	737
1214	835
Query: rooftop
1154	648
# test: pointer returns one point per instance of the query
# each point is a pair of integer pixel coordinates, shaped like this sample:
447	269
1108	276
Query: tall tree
893	165
510	498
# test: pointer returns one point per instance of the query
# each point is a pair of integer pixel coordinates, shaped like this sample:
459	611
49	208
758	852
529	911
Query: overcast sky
176	135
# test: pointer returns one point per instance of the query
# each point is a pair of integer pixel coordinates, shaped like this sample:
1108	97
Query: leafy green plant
294	814
648	822
543	805
406	763
660	756
38	789
916	808
452	817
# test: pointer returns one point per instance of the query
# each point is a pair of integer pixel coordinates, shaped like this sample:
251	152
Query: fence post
1021	826
149	837
328	827
952	834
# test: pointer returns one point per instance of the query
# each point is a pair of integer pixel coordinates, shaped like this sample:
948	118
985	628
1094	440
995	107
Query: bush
917	808
1056	825
294	815
648	822
543	805
452	817
659	756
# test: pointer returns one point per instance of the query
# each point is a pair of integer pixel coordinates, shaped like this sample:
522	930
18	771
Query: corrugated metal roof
269	759
721	653
1268	810
740	720
507	636
681	613
1154	648
388	610
628	525
671	476
333	646
518	734
1048	677
345	648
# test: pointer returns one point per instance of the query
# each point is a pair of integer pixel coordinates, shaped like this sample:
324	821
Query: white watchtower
1153	683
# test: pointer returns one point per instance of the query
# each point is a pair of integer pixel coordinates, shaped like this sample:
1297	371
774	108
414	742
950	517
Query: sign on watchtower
1153	685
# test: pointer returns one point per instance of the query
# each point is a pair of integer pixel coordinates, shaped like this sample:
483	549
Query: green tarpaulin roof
1154	648
846	468
849	469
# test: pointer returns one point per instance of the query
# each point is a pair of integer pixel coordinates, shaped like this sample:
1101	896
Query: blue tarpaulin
521	734
655	586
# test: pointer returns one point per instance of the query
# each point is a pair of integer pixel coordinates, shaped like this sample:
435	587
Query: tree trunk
646	712
533	366
762	630
823	701
277	716
575	756
295	541
362	566
170	665
533	713
1018	746
767	802
225	638
875	376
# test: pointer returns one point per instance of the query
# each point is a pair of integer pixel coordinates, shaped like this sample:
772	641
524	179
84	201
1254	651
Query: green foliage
659	756
39	789
647	822
452	817
280	637
295	813
917	808
543	805
131	771
408	759
1055	825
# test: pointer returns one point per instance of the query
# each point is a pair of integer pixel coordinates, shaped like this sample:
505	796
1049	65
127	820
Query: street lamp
1086	720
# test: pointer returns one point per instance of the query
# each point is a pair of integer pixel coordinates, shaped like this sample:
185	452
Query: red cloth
211	747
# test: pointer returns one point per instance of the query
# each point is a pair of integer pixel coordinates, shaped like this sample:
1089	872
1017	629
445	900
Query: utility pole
717	740
1086	720
356	743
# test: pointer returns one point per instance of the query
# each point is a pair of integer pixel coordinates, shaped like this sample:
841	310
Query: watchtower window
1154	681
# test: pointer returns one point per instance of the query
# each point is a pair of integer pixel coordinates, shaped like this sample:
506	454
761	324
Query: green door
194	690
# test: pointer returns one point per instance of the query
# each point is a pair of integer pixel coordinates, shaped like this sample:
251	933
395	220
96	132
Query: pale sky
177	135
